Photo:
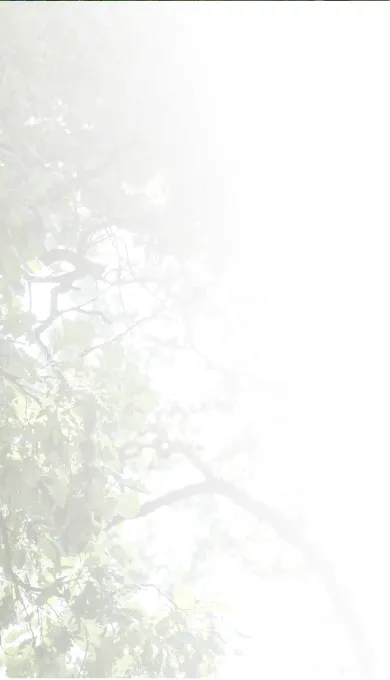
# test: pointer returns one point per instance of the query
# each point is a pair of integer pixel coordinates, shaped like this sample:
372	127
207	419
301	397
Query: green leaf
58	489
129	504
32	473
55	602
19	557
136	422
13	635
49	549
34	266
94	496
99	556
147	401
14	366
48	576
108	507
74	333
122	665
184	597
43	597
15	666
19	406
94	630
68	562
10	266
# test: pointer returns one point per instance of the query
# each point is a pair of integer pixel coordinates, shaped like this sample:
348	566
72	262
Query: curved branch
173	497
286	530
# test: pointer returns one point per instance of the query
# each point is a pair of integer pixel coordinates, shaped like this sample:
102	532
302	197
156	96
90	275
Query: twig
160	592
86	652
44	325
21	387
14	578
127	330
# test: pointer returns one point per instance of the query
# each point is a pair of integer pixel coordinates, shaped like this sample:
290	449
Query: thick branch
289	533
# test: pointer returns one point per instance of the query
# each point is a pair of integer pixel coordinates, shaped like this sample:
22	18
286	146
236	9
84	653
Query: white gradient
299	105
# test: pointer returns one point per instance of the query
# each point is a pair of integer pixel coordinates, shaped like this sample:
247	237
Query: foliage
105	259
83	256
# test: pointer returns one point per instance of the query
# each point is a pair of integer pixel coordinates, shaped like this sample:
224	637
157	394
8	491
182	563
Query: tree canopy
108	252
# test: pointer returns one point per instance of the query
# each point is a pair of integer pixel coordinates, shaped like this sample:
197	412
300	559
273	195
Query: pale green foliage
76	404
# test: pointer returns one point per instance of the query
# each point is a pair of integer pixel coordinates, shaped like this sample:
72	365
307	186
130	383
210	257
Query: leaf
13	635
14	665
19	406
184	637
48	548
122	665
32	474
184	597
14	367
68	562
43	597
101	553
74	333
34	266
48	576
19	557
10	266
147	401
204	669
108	506
58	489
129	504
54	601
135	485
94	630
136	422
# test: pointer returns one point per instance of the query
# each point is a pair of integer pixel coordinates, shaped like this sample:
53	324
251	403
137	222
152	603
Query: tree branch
127	330
286	530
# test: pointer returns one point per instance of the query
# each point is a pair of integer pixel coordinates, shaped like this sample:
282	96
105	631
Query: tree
98	275
75	401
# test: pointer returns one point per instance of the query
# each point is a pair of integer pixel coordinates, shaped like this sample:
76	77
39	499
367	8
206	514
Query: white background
300	107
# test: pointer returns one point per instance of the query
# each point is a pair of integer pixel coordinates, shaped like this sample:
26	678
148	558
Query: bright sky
301	108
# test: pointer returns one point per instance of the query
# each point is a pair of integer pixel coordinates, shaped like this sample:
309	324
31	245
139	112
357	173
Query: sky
300	108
